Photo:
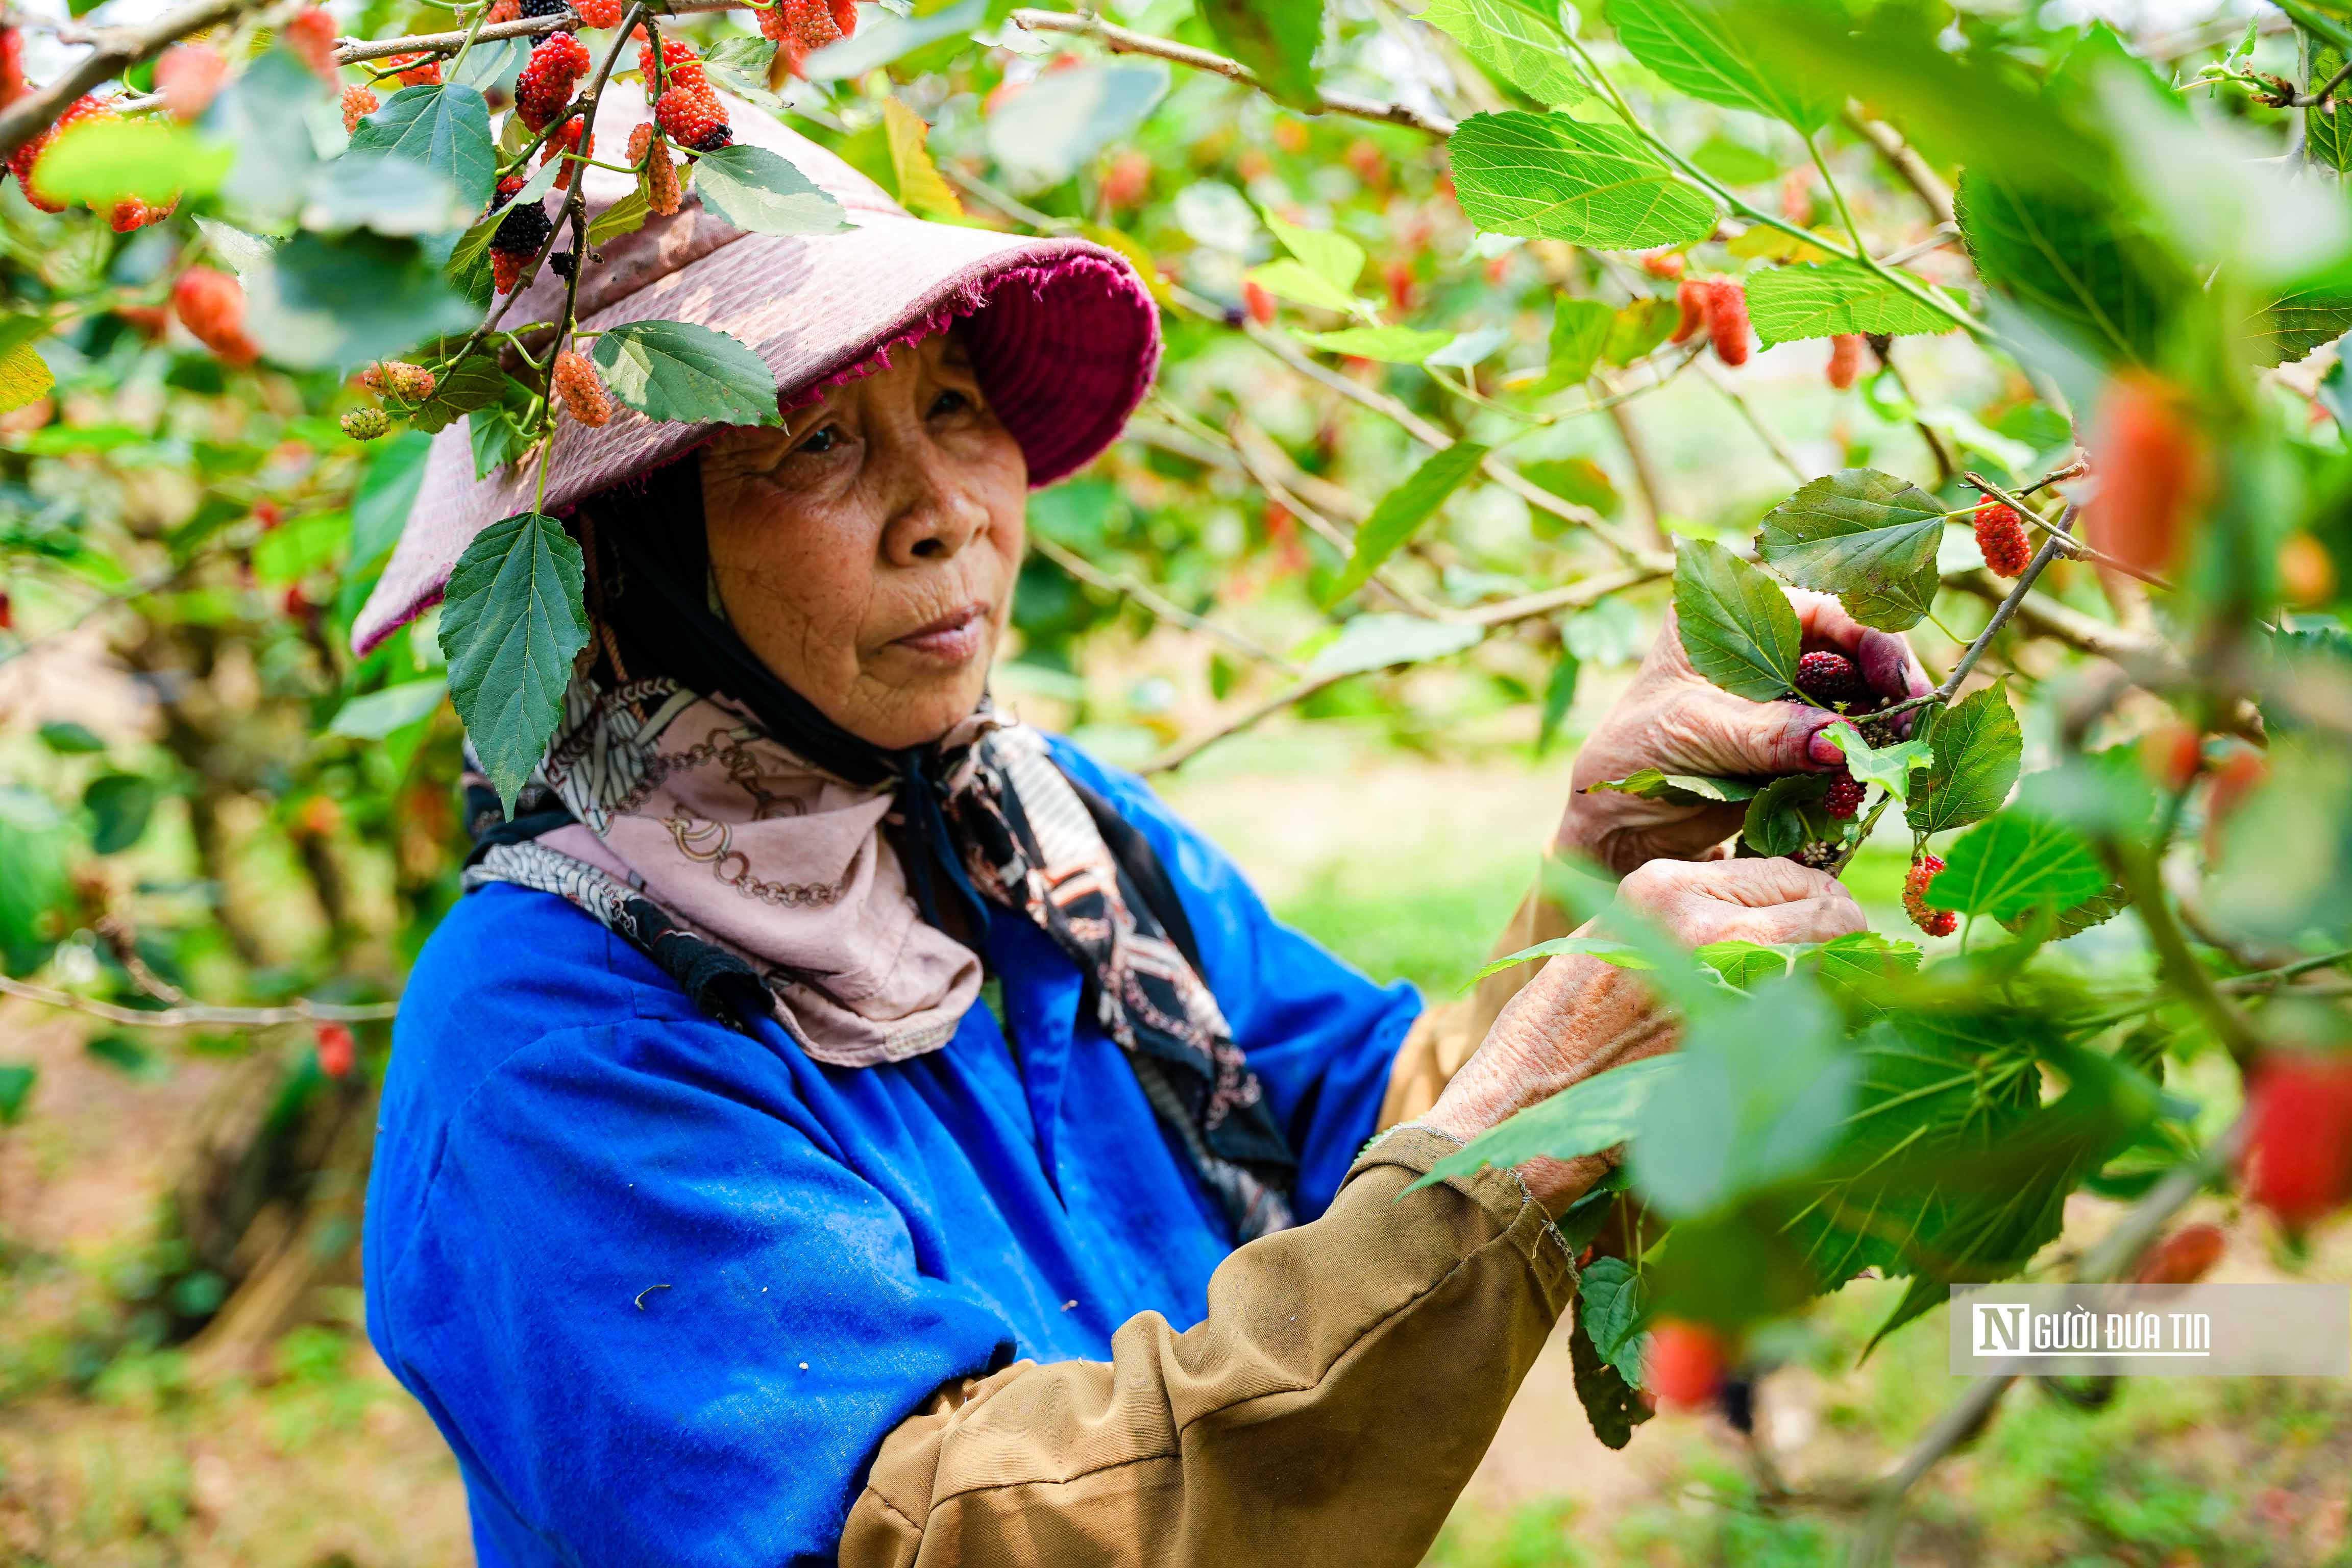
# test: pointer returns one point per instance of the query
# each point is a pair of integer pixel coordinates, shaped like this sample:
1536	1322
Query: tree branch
1121	41
197	1016
1764	432
1085	571
1904	161
116	50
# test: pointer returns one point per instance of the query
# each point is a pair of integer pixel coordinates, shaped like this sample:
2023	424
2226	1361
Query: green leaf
1276	39
2015	863
1579	333
1560	695
760	193
1786	814
1381	641
1764	1088
300	547
388	195
922	189
1332	256
1823	300
509	626
1518	44
1613	1293
445	129
2060	252
264	111
495	439
474	381
1390	345
2326	138
25	376
1549	177
1616	954
17	1079
68	739
33	880
624	216
1613	1408
2288	328
1679	789
1639	329
1737	626
1977	745
379	713
1042	134
1889	766
1694	48
118	805
1868	536
692	375
155	159
338	303
1403	510
1592	1114
1294	281
1735	163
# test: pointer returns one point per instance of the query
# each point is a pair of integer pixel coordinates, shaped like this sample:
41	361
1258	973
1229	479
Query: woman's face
867	550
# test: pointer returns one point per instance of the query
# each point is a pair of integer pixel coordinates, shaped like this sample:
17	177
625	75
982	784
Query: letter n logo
1999	1327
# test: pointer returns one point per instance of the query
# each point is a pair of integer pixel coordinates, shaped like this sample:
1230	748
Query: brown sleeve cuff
1495	1189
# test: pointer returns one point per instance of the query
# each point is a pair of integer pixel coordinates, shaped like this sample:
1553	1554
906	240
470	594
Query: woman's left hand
1673	720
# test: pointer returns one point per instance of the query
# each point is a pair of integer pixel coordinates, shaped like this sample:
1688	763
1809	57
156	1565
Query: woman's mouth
954	637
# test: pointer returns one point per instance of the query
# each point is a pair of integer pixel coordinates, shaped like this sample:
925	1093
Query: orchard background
1496	332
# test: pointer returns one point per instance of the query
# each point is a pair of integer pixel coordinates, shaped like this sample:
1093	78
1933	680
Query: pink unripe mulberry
578	389
1845	359
1726	319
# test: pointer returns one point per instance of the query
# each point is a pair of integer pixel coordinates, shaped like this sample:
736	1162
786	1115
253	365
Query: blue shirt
665	1286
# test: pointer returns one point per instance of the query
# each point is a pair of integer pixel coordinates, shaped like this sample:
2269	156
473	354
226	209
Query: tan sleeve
1328	1409
1443	1037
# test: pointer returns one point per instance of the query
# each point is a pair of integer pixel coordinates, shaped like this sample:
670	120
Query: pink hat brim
1063	335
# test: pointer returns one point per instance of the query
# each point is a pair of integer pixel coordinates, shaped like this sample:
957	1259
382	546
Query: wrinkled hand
1579	1015
1673	720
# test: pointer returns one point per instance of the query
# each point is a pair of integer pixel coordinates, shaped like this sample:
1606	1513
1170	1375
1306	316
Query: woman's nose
938	511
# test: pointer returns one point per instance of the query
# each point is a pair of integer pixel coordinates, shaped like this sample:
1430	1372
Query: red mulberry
2298	1158
503	11
798	26
692	120
2001	535
1828	676
211	305
1845	797
188	76
359	102
662	192
506	270
1726	319
1934	923
409	382
1691	299
26	160
1666	264
415	70
680	67
545	84
12	66
578	389
312	35
564	141
1845	359
599	12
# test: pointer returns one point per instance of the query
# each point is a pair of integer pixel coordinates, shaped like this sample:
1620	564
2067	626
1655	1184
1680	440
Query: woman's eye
818	442
951	402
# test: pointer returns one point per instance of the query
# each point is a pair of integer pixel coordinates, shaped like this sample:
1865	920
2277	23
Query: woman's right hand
1580	1016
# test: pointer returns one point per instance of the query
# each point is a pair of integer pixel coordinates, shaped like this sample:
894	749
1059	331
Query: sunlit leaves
32	877
445	129
509	626
1041	133
1678	789
1868	536
1825	299
1977	745
1549	177
1616	954
379	713
2290	326
1889	766
1390	345
2060	253
1403	510
24	375
156	160
1382	640
1737	626
687	372
1586	1116
1520	44
1698	47
922	190
760	193
2016	863
1580	334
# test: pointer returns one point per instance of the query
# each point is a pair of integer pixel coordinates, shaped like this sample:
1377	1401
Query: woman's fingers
1806	920
1762	901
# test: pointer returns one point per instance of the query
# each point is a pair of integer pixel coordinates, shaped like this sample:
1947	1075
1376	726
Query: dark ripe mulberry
1828	676
2001	535
524	229
543	7
1844	797
1737	1399
561	263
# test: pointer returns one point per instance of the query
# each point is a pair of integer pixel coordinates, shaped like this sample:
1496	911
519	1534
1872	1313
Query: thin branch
1946	464
2271	979
1077	566
1943	234
352	51
2051	548
1574	595
1764	432
116	50
1904	161
1338	539
198	1016
1121	41
1649	489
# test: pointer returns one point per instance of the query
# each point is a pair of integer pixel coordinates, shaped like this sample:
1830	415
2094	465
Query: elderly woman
843	1124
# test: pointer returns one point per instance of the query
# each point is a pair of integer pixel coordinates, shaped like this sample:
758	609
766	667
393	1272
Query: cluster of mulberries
663	193
2001	535
678	66
211	305
1717	306
800	26
398	378
1924	870
685	105
578	389
545	84
518	236
359	102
